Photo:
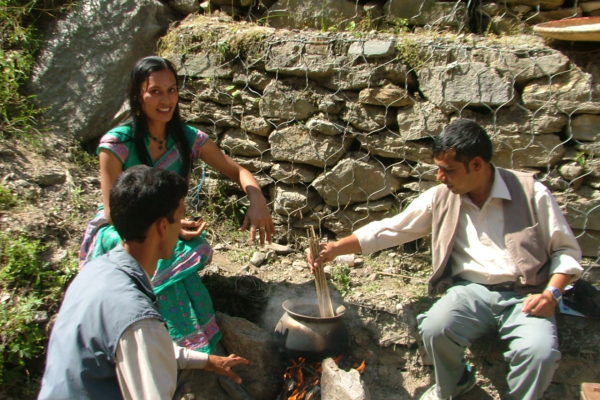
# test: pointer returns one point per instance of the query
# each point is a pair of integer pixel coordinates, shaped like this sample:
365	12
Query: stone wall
498	16
337	126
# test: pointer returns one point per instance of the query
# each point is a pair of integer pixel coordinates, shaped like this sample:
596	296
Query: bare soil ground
58	191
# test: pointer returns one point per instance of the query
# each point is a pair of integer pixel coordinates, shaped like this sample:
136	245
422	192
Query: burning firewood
302	379
325	306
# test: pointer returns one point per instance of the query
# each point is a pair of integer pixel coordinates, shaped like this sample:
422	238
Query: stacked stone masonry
497	16
337	126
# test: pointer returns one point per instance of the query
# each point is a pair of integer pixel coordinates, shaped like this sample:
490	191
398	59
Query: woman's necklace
161	142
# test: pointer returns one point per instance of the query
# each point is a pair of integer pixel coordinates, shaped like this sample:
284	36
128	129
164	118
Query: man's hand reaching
223	365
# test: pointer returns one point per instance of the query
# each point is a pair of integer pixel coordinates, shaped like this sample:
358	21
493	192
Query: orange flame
306	377
361	367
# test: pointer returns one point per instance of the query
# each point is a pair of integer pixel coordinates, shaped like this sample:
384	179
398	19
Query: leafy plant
581	159
7	199
29	288
19	41
16	58
398	25
220	205
340	277
410	53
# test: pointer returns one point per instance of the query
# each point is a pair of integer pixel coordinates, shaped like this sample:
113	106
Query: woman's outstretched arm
258	217
110	169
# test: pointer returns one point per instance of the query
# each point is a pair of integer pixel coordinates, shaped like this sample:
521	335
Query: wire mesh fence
336	122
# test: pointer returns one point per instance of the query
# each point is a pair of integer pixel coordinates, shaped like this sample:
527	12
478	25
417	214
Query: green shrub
29	290
19	42
18	46
340	278
7	199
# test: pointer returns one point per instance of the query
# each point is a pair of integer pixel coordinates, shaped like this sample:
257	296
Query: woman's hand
191	228
258	219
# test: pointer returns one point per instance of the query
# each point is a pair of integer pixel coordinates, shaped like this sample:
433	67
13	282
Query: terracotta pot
301	332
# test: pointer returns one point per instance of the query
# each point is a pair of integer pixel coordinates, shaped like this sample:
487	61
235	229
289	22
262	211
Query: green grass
19	42
18	45
340	277
7	198
30	289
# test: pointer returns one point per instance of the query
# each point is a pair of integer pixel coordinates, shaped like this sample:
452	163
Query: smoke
281	292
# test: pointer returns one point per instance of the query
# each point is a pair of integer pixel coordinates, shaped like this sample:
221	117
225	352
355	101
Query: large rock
355	73
517	120
298	144
325	127
262	378
316	14
293	200
461	84
582	211
421	120
368	118
337	384
345	221
386	96
389	144
589	241
356	179
253	164
291	58
407	8
372	48
184	7
240	143
524	64
543	4
82	72
206	64
287	101
574	91
256	125
254	79
586	127
518	151
292	173
207	112
453	14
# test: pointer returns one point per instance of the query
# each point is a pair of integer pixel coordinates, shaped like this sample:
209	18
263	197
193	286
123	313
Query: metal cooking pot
301	332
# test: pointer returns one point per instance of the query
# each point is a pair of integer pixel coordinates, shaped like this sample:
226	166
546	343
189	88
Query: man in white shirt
502	253
109	340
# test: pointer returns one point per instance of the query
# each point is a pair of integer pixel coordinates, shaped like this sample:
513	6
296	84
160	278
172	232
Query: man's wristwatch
556	294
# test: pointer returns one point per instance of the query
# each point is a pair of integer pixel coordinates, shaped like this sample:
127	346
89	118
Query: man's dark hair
467	138
141	196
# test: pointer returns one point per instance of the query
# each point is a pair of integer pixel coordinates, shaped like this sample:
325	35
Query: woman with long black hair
156	136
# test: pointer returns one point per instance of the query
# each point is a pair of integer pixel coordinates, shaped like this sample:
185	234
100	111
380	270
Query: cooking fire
302	379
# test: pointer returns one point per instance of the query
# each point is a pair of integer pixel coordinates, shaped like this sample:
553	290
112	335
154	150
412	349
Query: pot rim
289	304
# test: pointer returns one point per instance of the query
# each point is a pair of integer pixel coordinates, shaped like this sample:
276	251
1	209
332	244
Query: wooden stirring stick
325	306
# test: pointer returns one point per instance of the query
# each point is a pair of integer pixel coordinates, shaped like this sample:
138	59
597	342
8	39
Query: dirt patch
58	193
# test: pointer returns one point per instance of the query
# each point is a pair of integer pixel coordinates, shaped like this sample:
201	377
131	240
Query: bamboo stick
325	306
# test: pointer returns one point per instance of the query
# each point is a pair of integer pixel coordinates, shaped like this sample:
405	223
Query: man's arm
412	223
329	251
564	251
543	304
146	364
563	248
147	361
